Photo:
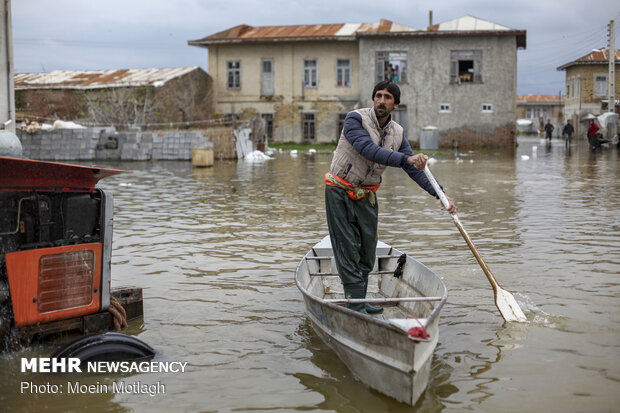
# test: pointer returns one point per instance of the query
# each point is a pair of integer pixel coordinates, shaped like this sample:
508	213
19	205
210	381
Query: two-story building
459	76
301	79
587	85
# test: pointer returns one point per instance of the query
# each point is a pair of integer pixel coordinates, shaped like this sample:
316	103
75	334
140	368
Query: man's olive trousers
353	232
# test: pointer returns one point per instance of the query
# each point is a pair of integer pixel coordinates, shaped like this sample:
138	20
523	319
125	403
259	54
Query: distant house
459	76
540	108
587	84
138	97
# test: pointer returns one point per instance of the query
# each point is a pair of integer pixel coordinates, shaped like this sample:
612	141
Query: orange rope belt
355	193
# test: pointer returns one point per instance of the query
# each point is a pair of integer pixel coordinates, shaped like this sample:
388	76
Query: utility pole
7	93
611	102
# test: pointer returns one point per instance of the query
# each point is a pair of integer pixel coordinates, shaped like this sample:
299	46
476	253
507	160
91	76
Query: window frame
312	122
598	82
268	119
445	108
231	71
346	73
264	87
386	57
457	56
310	70
488	109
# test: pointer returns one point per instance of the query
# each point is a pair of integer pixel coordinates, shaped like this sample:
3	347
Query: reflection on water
215	250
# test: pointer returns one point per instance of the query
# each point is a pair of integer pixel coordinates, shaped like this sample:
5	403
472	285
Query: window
341	117
392	66
578	87
487	108
568	89
444	108
343	73
268	119
528	113
600	85
267	78
466	66
233	74
307	127
310	73
399	115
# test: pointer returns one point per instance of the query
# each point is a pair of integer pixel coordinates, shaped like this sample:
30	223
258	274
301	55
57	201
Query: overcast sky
113	34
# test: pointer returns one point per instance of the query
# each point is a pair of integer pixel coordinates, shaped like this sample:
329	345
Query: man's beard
382	109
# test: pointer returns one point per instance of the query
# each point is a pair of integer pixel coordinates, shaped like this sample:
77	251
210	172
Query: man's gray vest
349	165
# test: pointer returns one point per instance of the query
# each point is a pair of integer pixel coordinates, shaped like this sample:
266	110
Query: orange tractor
55	251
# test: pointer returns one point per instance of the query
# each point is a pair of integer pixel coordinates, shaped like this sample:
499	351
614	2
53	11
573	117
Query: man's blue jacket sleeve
359	138
361	141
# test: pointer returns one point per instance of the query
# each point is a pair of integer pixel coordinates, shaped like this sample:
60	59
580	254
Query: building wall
580	99
289	100
43	105
429	86
184	99
586	74
553	112
187	98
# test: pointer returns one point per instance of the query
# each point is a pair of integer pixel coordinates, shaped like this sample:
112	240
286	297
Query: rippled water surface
215	251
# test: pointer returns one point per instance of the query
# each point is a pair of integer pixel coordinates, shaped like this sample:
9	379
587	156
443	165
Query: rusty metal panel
93	79
601	55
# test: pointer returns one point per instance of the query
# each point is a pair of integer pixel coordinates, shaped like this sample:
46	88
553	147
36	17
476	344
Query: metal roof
469	24
539	100
341	31
596	57
98	79
463	26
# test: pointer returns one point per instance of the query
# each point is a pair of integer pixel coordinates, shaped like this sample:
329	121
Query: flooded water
215	251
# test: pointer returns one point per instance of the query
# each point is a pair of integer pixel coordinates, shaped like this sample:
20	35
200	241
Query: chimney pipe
430	19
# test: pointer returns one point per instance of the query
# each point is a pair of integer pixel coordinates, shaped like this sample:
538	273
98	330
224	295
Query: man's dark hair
391	87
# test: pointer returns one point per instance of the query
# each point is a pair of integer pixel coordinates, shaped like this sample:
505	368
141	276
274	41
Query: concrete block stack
108	144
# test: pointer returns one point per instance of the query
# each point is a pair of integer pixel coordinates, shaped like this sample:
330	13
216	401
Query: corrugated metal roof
342	31
469	24
97	79
600	56
540	99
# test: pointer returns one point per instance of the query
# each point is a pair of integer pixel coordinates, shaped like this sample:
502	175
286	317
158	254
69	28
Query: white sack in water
257	156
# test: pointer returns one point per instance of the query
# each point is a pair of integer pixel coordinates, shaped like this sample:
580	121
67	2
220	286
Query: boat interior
409	298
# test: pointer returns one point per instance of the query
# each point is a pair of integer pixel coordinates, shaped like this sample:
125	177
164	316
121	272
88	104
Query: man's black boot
371	309
355	291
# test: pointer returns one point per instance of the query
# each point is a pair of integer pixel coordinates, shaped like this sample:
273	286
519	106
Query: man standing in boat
370	142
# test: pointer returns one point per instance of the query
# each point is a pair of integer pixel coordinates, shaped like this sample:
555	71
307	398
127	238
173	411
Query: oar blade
508	306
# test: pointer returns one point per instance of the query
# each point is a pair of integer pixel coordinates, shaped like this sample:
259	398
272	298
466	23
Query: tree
122	107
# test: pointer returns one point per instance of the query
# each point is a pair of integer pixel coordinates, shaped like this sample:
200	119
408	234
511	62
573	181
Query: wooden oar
505	302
